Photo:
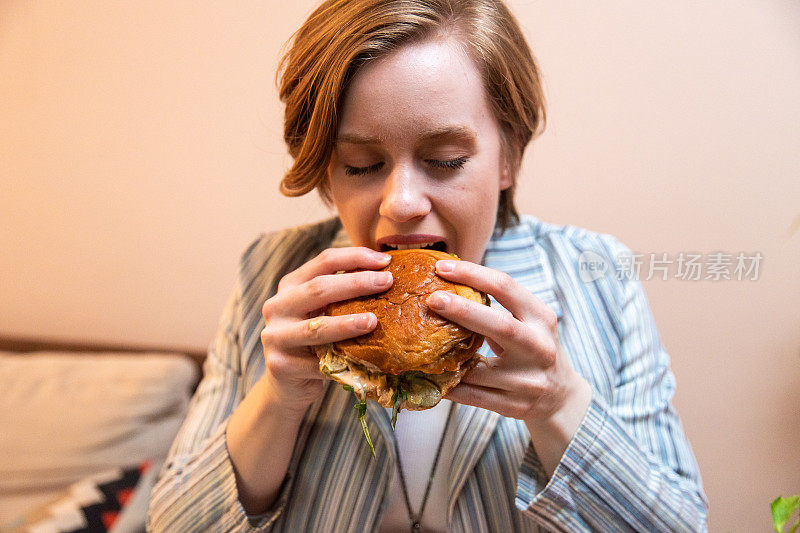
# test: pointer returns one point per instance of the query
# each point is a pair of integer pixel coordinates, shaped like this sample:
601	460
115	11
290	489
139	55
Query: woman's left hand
531	378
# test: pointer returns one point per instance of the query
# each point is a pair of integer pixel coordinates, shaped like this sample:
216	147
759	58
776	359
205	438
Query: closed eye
450	164
358	171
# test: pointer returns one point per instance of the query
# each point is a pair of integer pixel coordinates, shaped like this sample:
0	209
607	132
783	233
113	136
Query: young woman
411	118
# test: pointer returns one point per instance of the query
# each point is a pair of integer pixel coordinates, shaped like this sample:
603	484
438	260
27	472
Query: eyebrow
458	133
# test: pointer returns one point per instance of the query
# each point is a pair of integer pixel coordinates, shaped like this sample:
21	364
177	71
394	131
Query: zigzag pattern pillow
91	505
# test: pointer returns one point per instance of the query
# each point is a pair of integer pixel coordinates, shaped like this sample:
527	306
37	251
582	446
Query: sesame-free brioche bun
412	348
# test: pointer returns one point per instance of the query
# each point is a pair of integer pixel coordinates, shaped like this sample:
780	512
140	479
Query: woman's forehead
431	85
419	69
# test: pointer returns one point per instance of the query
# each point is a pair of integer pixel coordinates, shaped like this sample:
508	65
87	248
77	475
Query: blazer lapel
474	428
518	254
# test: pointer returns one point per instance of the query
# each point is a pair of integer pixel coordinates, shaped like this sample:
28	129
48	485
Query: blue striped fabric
628	468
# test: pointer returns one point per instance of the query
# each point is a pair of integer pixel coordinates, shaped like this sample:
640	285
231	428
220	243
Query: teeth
414	246
434	245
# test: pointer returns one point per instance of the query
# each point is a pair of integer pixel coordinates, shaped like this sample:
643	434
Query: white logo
591	266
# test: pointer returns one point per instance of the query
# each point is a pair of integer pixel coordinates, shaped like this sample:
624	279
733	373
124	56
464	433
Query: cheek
478	200
465	198
356	211
349	208
470	206
481	189
341	193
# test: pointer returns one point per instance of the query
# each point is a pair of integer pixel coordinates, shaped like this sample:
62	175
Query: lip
413	238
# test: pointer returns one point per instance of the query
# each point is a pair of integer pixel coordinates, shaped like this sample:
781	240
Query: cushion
110	501
72	416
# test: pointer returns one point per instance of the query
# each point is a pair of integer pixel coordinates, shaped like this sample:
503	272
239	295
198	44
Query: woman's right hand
293	325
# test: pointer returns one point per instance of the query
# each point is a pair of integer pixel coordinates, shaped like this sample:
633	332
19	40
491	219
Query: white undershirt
418	434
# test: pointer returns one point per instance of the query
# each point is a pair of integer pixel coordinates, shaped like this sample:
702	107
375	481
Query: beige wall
140	151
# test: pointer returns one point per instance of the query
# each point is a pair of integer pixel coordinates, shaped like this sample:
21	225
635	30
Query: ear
505	176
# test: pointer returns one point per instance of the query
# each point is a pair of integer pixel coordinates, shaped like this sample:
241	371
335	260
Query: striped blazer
629	467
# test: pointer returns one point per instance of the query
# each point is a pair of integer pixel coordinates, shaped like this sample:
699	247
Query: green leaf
348	388
361	407
398	398
782	509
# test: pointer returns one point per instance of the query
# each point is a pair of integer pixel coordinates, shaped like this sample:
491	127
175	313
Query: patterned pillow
95	504
74	415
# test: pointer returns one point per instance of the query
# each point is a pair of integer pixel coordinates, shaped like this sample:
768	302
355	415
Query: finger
300	364
505	331
489	372
318	330
510	294
333	260
299	301
486	398
496	348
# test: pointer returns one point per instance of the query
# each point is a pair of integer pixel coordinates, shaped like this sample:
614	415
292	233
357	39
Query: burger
414	356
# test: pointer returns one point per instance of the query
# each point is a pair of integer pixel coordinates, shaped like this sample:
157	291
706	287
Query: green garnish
347	387
398	397
782	509
361	407
454	255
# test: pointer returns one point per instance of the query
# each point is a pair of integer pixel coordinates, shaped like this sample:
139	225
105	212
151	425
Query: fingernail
438	300
380	279
383	258
445	266
365	321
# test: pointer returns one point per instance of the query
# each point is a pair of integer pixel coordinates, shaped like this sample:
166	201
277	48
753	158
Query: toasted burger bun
412	348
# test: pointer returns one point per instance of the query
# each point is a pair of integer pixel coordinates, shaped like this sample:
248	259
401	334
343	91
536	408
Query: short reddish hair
341	35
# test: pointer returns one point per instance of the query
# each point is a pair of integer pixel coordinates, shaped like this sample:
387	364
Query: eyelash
450	164
358	171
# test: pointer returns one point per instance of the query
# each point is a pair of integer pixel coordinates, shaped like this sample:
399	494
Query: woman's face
418	154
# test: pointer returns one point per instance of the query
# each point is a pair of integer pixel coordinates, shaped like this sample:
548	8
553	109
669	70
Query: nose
405	195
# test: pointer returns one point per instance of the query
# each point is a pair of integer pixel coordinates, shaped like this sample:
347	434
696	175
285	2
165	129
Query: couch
85	430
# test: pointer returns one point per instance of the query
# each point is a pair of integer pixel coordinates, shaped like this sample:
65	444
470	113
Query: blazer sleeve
196	489
629	466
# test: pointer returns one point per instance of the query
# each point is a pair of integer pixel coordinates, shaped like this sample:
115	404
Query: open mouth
437	245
